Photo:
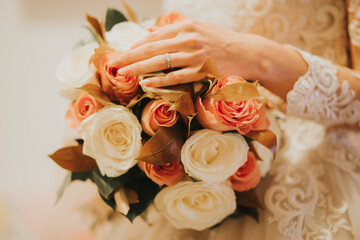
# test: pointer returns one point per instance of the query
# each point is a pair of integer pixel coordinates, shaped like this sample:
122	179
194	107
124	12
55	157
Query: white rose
75	71
112	137
213	156
123	35
196	205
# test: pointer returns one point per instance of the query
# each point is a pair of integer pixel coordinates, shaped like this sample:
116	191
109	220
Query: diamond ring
167	58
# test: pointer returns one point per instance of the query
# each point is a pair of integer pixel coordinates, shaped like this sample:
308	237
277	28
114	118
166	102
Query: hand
191	42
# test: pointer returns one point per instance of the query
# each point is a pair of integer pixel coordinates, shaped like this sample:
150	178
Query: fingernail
123	71
146	83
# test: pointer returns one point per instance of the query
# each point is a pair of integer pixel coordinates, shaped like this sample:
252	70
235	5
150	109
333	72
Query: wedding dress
313	188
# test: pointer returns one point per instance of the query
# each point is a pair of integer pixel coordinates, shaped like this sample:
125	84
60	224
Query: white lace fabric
319	96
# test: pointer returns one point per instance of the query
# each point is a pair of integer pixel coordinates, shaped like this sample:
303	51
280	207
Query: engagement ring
167	58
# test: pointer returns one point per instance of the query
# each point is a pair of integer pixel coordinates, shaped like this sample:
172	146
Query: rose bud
247	176
243	116
156	114
119	87
78	111
168	174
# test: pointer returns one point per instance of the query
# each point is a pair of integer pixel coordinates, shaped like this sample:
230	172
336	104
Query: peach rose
168	174
118	87
247	176
156	114
81	109
243	116
170	18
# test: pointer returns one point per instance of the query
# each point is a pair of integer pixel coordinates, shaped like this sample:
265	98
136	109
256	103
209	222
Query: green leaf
113	17
248	199
82	176
137	181
60	191
108	185
79	141
147	190
243	211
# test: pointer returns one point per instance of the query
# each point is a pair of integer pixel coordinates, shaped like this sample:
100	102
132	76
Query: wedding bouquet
194	150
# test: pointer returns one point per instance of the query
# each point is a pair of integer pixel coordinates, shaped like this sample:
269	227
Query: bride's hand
191	42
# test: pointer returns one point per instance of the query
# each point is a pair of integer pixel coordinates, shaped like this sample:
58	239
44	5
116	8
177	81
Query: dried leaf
131	195
190	118
97	26
209	67
97	93
113	17
130	12
248	199
241	91
184	105
139	98
264	137
64	185
162	93
164	147
72	158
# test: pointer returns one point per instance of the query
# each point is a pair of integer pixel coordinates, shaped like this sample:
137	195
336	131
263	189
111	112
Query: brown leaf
130	12
209	67
138	98
264	137
241	91
184	106
248	199
190	118
97	93
164	147
97	26
72	159
161	93
131	195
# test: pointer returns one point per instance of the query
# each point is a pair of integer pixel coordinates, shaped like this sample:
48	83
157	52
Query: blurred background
34	37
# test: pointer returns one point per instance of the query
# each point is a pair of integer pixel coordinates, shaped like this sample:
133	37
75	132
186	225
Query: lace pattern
296	196
319	96
354	27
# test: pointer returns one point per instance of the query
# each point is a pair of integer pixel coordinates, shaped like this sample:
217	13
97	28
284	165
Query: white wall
34	36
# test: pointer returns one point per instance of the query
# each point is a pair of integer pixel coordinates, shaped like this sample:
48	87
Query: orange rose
243	116
168	174
118	87
247	176
169	18
156	114
81	109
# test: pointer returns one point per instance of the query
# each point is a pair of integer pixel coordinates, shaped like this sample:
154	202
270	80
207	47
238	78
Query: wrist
280	67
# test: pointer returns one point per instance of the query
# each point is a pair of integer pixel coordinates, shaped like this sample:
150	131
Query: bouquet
196	151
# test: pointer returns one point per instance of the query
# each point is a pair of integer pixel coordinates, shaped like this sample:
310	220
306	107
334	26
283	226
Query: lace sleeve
319	96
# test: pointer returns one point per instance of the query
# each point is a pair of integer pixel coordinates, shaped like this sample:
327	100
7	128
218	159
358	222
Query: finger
146	51
166	32
157	63
181	76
